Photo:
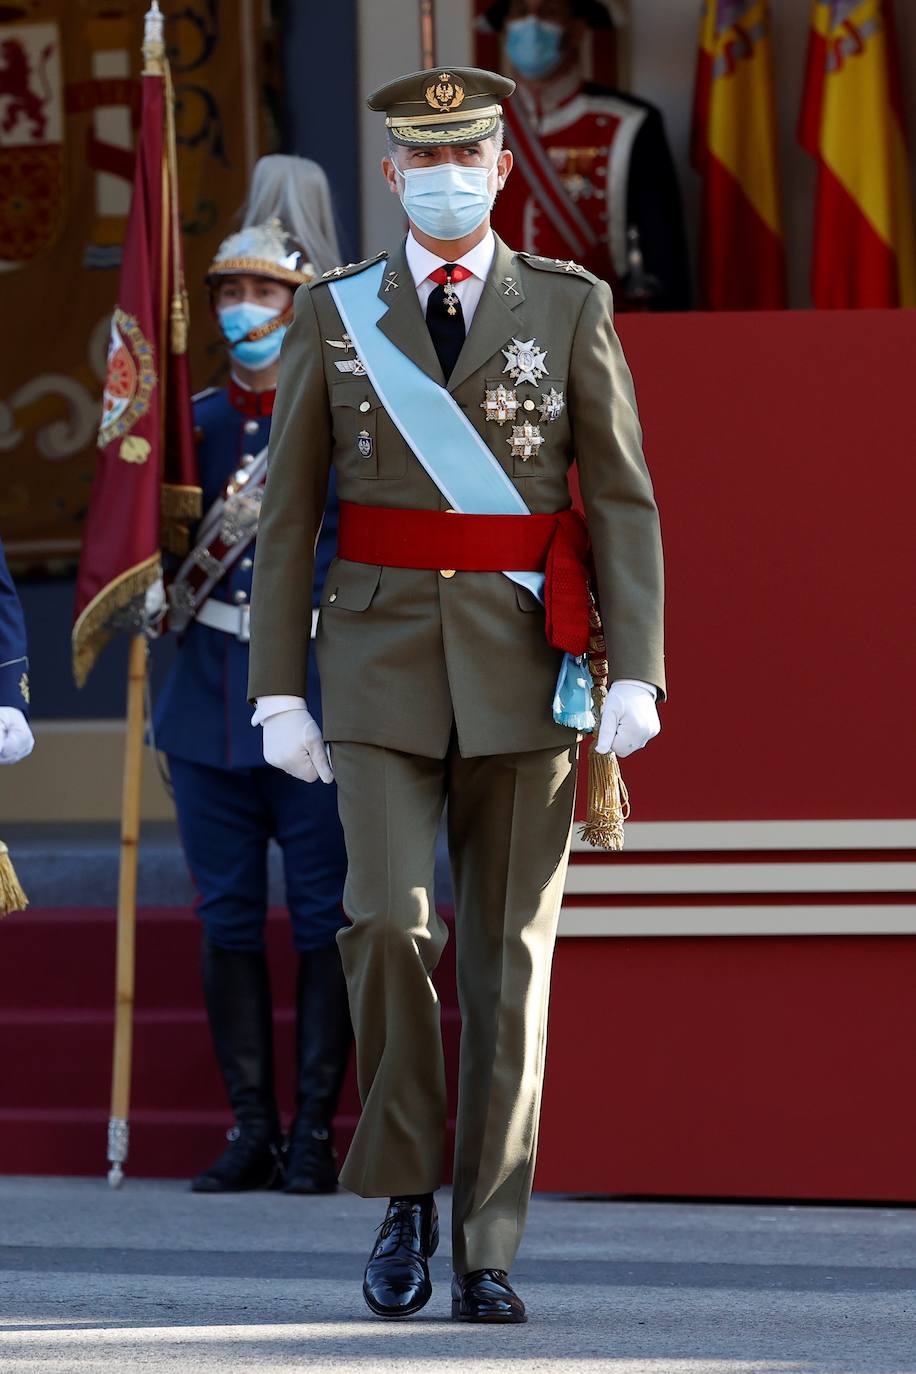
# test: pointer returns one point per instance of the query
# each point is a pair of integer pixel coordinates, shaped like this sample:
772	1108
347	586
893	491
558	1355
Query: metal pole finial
154	41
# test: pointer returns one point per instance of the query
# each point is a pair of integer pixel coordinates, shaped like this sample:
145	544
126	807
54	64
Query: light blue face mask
534	46
447	201
236	321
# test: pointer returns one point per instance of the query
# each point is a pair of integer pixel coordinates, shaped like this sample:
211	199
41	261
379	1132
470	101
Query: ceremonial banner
146	448
852	122
734	148
69	114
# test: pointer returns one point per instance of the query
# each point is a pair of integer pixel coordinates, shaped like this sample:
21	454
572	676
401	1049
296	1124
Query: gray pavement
152	1278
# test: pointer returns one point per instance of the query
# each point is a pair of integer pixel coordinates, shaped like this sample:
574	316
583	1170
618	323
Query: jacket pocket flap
354	395
350	586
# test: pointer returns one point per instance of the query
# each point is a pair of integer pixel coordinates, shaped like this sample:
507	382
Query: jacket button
446	572
240	597
246	564
250	426
333	596
364	406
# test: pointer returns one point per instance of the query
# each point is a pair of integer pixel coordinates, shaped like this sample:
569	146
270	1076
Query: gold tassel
12	897
607	799
608	802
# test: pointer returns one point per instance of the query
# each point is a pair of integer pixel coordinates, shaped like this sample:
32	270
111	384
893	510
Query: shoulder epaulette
349	269
565	266
203	395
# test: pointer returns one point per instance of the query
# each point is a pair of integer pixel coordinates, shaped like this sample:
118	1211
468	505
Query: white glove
292	741
628	718
16	739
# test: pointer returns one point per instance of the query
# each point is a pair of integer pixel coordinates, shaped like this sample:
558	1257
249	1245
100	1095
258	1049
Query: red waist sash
556	545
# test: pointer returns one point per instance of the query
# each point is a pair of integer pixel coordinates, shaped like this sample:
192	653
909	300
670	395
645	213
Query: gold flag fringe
94	628
12	897
607	799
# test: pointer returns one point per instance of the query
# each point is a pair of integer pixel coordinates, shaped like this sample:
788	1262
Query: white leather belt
234	620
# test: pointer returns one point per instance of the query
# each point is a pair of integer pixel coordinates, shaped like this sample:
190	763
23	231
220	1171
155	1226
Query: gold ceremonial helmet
260	250
442	105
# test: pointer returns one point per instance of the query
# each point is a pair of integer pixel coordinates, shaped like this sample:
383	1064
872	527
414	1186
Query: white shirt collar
479	260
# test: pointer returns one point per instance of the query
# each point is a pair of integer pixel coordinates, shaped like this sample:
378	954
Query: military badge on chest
364	443
500	404
354	366
526	362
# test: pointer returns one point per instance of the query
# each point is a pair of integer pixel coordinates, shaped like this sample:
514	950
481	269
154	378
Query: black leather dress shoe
397	1275
486	1295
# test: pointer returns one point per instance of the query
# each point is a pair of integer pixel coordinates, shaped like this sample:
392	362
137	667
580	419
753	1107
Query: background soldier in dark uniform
594	178
229	803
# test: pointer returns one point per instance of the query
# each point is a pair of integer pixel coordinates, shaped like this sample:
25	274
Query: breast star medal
499	404
525	362
354	366
552	405
525	441
364	443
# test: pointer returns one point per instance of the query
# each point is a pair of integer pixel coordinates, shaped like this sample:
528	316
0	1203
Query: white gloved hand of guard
16	739
292	741
628	718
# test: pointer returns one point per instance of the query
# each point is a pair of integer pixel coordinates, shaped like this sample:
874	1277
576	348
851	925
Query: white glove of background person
292	741
628	718
16	739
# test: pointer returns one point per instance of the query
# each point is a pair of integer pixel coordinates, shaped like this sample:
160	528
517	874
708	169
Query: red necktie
457	274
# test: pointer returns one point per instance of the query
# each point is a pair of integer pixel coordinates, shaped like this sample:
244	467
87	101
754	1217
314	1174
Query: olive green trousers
509	827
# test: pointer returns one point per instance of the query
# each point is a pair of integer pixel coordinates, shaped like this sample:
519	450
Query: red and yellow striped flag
852	122
743	260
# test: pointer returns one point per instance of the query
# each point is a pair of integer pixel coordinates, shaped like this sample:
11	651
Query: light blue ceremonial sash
449	448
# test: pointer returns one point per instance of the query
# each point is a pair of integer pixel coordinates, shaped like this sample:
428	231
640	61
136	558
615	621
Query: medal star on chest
525	362
525	441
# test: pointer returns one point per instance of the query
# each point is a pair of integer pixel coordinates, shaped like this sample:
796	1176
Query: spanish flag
743	260
852	122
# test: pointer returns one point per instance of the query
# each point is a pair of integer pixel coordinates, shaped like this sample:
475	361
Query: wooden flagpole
119	1120
125	960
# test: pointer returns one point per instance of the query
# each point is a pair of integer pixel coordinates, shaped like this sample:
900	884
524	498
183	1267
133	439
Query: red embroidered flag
145	480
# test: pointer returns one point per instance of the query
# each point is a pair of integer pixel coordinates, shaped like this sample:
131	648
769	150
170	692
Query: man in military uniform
594	177
449	386
229	803
16	741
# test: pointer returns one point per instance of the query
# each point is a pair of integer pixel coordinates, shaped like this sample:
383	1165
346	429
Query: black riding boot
324	1036
237	994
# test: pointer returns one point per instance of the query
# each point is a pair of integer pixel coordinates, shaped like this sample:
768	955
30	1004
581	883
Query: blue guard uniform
14	662
230	803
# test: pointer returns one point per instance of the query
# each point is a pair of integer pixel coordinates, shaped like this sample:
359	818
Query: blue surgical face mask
447	201
534	46
238	320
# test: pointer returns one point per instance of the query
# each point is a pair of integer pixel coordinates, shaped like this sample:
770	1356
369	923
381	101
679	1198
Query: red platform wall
782	449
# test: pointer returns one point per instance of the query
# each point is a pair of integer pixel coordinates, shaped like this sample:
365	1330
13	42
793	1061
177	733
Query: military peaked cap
442	105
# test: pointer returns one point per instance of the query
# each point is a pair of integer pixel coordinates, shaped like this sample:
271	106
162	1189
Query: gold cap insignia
446	94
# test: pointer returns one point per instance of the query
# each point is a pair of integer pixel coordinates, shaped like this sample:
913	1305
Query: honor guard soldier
594	177
229	804
16	741
449	385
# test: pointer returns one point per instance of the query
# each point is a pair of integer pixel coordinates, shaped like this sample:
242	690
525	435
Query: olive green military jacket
405	656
